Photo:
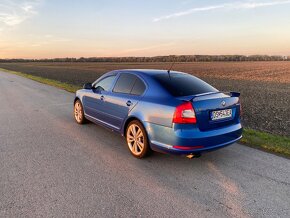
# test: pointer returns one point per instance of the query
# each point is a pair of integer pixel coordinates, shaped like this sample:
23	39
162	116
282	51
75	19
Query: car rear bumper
189	139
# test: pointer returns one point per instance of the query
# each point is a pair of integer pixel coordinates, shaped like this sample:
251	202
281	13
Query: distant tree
170	58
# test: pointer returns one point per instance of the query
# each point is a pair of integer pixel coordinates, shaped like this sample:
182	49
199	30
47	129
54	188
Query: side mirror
235	94
99	89
88	86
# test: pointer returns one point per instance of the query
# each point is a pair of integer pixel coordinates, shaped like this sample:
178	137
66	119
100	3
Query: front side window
105	84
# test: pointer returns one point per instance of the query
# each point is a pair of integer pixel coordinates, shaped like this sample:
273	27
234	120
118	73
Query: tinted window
138	88
125	83
105	84
179	84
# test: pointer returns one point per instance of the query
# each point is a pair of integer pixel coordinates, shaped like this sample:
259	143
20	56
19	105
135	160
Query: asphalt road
52	167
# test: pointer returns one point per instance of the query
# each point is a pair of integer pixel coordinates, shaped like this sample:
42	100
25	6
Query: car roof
148	72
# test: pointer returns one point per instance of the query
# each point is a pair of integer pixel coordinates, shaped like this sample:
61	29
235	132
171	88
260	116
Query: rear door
126	93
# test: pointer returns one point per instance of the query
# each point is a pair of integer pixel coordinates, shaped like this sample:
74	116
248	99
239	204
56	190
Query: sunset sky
88	28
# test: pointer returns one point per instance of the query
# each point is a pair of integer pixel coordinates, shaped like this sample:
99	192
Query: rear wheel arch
130	119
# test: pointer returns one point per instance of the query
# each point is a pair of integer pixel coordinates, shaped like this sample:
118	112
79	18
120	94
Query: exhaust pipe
190	156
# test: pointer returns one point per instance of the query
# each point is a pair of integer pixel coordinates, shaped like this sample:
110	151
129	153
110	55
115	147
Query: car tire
137	140
79	112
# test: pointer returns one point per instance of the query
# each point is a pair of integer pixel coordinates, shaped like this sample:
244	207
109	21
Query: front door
94	100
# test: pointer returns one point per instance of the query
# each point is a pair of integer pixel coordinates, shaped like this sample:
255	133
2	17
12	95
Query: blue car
159	110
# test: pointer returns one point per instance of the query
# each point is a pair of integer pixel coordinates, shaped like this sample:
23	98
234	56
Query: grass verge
51	82
265	141
268	142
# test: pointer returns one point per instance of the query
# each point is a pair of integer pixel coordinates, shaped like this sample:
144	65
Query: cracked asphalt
52	167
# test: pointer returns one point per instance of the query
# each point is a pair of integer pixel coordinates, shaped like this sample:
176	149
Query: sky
102	28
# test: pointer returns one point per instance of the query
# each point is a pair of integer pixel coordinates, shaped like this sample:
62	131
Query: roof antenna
168	71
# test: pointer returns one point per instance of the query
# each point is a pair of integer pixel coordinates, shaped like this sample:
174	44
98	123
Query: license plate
221	114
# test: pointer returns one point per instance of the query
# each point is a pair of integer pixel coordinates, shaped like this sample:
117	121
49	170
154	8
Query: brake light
184	113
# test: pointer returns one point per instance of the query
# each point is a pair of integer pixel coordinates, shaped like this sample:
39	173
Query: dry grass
278	72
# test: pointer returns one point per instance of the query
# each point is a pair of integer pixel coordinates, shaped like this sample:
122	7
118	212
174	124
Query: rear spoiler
191	97
234	94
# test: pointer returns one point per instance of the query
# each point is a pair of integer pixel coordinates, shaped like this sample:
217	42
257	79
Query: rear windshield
179	84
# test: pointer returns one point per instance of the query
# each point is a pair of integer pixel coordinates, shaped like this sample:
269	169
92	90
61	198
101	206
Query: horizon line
154	56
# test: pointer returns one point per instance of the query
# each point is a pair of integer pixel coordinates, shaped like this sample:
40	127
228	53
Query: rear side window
138	88
129	84
179	84
125	83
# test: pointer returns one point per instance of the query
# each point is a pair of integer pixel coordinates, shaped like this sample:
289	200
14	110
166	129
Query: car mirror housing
88	86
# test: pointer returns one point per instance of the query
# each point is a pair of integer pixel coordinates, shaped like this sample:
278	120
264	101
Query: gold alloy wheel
135	139
78	112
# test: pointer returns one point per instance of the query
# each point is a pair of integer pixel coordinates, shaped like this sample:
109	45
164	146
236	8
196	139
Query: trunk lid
209	107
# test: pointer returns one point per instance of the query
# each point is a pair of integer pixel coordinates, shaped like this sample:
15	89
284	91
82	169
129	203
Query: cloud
237	5
14	12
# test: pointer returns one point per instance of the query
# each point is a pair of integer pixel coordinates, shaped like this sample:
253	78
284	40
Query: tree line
170	58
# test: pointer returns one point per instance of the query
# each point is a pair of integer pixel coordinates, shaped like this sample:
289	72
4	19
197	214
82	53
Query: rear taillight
184	113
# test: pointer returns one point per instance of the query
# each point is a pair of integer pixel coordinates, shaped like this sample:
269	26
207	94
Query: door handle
102	98
129	103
